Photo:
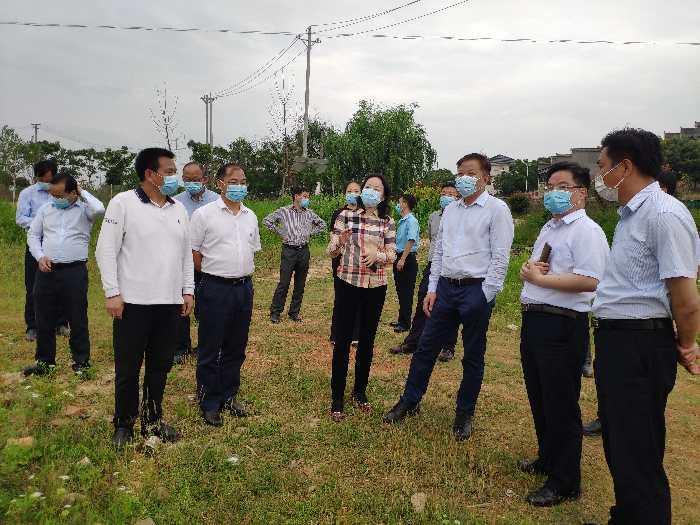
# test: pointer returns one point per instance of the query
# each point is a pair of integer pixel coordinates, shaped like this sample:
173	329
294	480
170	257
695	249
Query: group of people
156	251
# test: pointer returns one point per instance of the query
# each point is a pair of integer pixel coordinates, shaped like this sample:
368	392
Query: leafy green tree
513	180
12	162
683	155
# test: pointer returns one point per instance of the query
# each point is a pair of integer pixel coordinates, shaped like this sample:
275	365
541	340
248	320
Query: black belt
554	310
301	247
465	281
227	280
663	323
63	266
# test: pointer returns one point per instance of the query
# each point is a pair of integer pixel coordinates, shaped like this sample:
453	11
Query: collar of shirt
636	201
368	213
37	188
143	197
566	219
481	200
221	204
406	217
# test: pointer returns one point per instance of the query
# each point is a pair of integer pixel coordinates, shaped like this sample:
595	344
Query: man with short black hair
145	262
195	196
406	263
649	282
295	224
225	237
560	279
30	200
58	239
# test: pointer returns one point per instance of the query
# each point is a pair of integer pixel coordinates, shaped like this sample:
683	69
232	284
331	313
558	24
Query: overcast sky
518	99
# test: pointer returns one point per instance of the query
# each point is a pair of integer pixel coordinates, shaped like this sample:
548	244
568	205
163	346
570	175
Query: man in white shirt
58	240
225	237
145	262
467	272
195	196
560	279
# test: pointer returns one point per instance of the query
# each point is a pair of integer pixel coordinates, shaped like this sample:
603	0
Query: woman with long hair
365	241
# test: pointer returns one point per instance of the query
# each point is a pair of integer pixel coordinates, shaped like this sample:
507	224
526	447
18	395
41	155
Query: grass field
292	464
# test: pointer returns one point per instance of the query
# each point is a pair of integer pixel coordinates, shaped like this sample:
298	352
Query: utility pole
211	115
36	129
309	44
527	173
205	99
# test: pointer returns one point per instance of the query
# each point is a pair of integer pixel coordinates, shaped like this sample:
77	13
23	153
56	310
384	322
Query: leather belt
234	281
465	281
554	310
663	323
301	247
63	266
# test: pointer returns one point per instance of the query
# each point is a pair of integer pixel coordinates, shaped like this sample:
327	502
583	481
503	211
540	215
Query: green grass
295	465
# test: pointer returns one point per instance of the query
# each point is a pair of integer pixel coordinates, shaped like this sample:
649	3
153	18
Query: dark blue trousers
225	311
454	305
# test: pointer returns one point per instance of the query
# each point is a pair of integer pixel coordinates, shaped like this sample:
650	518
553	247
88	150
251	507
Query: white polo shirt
226	241
578	246
143	250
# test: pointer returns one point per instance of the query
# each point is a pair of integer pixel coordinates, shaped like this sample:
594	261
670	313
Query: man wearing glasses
560	280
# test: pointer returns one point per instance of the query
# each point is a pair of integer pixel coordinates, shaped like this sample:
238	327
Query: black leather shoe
213	418
80	368
235	408
548	497
122	436
462	426
39	369
400	411
447	354
593	429
531	466
275	318
296	318
401	349
162	430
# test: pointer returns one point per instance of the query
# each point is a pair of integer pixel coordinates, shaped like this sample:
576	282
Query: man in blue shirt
195	196
29	201
649	282
58	239
406	264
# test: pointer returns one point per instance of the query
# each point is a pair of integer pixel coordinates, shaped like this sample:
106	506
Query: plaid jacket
369	234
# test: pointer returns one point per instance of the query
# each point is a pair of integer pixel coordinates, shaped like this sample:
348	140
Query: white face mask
609	194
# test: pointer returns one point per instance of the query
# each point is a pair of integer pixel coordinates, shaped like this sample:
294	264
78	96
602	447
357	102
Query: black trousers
294	261
334	318
150	332
418	322
225	312
635	371
552	350
355	305
62	290
31	267
184	343
405	281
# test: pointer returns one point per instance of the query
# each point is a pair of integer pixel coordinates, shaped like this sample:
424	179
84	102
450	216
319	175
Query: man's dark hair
581	175
483	160
42	167
668	179
383	207
149	158
297	190
410	200
639	146
67	176
193	163
221	172
448	185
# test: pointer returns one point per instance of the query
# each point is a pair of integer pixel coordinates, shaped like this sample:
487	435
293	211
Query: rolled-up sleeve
501	239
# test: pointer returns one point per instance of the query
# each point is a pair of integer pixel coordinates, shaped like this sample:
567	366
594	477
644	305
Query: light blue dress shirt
64	235
191	204
474	241
29	201
655	239
408	229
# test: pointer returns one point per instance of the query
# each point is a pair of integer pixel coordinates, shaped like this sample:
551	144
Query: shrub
519	203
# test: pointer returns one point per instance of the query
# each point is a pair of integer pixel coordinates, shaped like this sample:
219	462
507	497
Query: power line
358	20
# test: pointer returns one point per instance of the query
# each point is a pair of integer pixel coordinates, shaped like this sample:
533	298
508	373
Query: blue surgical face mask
60	203
304	203
557	201
445	201
466	185
236	192
170	185
370	197
398	208
43	185
351	199
193	188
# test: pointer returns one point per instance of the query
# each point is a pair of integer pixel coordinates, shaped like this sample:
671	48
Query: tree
683	155
116	165
513	180
164	118
386	140
12	162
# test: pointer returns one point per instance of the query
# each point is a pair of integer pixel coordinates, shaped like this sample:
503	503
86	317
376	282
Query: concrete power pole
36	130
309	44
208	110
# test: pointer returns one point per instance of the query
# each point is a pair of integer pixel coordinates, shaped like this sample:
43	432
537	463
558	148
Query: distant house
499	164
586	157
691	133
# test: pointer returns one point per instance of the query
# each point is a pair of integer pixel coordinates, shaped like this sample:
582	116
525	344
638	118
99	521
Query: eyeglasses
562	187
